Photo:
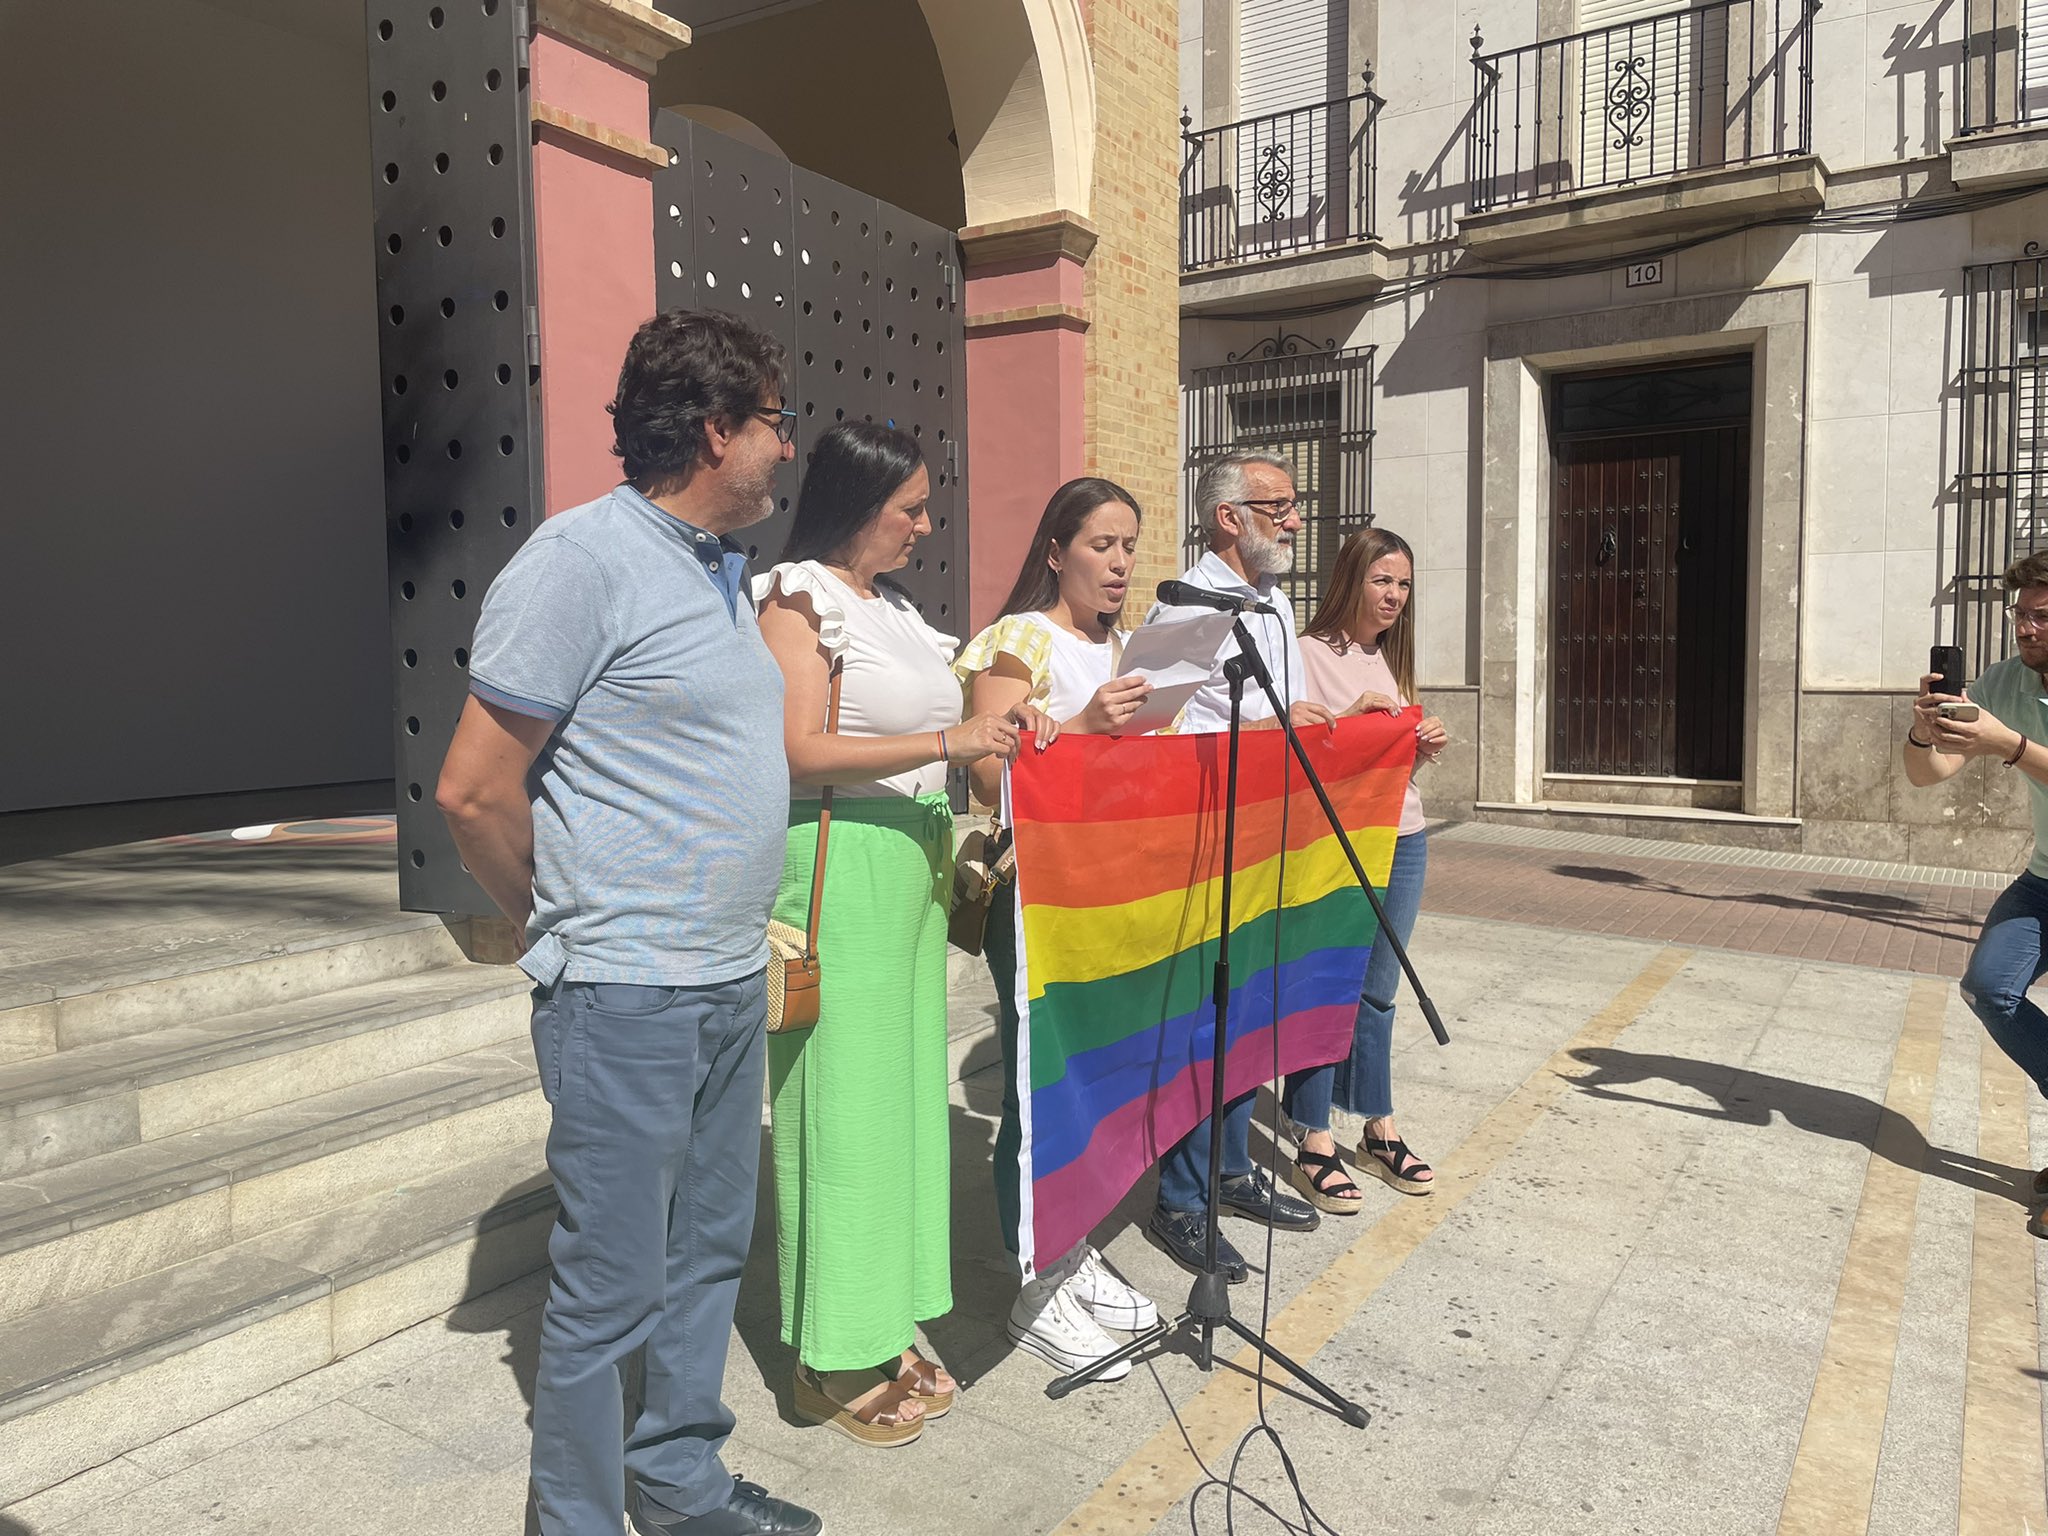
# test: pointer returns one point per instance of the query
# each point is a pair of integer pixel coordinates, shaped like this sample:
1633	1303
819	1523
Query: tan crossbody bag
793	971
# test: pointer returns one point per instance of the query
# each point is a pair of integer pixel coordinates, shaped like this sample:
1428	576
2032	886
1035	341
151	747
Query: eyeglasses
1283	507
781	417
2035	619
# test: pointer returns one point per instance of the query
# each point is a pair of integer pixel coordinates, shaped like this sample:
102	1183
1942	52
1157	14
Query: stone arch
1023	95
733	125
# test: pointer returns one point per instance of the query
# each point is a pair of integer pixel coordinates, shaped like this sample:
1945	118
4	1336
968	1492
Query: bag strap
824	822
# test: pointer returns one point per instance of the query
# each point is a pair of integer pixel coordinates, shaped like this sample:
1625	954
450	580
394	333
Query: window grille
1309	407
2001	510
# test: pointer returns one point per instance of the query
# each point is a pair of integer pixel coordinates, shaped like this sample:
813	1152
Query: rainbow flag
1119	896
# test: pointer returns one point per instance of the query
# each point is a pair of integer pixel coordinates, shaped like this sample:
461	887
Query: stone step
69	1232
77	999
85	1381
94	1099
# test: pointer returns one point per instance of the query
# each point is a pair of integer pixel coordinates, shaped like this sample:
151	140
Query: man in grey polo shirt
2012	723
617	785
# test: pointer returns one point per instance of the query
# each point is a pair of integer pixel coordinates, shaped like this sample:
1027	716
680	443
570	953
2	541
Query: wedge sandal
1395	1164
921	1377
887	1422
1321	1178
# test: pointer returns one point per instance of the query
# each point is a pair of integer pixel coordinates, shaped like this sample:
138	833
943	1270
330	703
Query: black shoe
750	1511
1253	1195
1185	1237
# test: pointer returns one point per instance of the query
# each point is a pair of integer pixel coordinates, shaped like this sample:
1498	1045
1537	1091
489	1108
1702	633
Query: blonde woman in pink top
1358	655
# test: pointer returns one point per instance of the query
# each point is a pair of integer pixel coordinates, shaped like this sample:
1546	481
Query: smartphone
1947	662
1958	711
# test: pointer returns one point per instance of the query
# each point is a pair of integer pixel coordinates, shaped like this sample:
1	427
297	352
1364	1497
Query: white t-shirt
1065	669
898	677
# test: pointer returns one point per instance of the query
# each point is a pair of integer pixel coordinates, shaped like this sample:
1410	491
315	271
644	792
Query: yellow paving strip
2002	1468
1836	1468
1139	1494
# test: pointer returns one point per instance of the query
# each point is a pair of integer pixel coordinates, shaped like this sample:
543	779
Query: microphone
1181	594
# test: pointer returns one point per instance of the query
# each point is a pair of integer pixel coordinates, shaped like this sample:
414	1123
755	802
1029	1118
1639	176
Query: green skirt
861	1120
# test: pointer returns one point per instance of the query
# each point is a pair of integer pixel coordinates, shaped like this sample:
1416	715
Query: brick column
1026	378
593	211
1133	284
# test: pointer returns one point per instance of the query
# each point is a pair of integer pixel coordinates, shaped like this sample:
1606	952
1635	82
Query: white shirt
1273	633
898	675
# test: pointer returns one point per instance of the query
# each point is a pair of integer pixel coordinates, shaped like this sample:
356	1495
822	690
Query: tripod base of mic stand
1208	1309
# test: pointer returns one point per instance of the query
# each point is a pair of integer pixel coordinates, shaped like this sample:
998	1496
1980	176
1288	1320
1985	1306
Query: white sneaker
1046	1320
1107	1298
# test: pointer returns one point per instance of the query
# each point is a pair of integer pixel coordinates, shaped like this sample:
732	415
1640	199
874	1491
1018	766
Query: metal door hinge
522	28
953	460
952	285
532	336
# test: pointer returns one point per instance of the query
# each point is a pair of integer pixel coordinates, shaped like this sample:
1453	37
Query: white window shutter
1283	55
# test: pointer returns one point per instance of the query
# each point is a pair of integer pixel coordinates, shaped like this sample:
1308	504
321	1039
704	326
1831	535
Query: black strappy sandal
1393	1162
1321	1178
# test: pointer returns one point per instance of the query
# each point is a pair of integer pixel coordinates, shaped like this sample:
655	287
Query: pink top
1337	681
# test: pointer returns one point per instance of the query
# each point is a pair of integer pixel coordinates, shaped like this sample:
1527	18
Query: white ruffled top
898	670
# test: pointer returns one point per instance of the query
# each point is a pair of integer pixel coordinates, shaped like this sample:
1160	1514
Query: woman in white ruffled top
861	1131
1055	645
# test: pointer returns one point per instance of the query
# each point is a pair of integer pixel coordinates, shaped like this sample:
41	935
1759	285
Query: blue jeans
1184	1170
2011	955
999	949
1364	1082
655	1143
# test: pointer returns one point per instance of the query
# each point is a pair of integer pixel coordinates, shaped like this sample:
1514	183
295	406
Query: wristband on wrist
944	755
2018	752
1915	741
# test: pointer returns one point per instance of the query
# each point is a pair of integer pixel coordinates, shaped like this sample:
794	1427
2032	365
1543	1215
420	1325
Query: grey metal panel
675	212
729	245
921	338
450	150
838	290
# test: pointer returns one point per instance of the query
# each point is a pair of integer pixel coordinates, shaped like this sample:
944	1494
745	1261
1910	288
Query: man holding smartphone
2004	715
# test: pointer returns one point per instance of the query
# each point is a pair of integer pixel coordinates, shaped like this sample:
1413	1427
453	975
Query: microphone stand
1208	1305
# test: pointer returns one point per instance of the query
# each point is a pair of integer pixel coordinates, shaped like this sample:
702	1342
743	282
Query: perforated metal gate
450	146
865	297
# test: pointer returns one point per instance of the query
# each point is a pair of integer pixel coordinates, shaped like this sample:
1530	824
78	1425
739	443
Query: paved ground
1728	1238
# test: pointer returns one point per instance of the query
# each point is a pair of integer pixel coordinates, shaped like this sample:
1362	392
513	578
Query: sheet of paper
1176	657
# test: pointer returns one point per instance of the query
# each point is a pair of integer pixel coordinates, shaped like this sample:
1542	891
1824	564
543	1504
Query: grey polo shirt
660	803
2012	691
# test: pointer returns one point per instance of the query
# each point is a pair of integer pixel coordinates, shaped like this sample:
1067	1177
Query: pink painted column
593	209
1026	377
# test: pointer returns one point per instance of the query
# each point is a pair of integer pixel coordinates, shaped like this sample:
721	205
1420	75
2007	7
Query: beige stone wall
1132	293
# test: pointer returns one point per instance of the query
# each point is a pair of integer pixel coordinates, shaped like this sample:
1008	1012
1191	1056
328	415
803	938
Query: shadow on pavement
13	1528
1870	906
1750	1098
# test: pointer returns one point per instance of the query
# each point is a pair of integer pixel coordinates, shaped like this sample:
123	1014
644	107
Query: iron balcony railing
1721	84
1284	182
2005	67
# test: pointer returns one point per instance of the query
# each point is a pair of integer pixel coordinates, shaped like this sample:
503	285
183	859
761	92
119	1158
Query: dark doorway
1649	560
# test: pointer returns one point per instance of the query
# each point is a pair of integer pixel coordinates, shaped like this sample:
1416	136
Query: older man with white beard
1248	509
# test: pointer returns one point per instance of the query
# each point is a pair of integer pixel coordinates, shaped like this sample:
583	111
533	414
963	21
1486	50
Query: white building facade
1696	352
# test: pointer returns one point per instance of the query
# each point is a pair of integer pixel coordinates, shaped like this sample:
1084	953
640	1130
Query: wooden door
1648	561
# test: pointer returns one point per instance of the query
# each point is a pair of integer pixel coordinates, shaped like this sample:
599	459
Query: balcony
1282	201
2002	125
1671	122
